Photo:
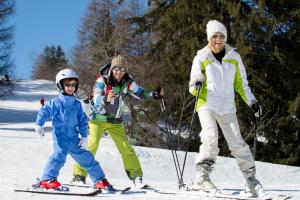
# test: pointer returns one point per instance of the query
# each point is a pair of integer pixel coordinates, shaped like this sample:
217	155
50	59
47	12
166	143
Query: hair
70	79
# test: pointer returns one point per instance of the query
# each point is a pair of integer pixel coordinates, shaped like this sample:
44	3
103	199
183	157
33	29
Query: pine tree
106	32
48	63
98	42
7	9
266	35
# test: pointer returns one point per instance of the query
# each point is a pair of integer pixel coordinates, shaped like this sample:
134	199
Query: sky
24	154
39	23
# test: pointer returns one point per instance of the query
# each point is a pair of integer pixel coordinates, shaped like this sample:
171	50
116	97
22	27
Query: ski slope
24	155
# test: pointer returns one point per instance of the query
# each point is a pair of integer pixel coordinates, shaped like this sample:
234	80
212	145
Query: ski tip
143	186
125	190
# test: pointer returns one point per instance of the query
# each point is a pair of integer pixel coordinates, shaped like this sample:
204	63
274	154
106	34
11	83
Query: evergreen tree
49	63
98	41
7	8
105	32
178	31
266	35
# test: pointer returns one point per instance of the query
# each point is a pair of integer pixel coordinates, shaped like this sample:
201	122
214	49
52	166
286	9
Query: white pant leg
239	149
209	136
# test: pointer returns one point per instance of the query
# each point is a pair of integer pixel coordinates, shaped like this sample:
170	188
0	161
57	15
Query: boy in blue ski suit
68	121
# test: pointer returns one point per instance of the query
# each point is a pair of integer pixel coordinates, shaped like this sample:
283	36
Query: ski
240	197
122	191
116	190
243	196
224	195
70	192
144	186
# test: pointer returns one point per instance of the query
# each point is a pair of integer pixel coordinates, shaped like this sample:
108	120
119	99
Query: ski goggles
121	69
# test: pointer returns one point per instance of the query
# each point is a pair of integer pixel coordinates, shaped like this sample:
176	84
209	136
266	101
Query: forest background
160	38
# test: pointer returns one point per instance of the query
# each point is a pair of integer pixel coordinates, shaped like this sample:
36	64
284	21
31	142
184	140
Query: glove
88	107
197	78
39	130
156	93
198	84
83	143
256	109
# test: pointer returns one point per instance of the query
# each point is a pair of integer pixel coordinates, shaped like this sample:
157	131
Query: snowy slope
24	155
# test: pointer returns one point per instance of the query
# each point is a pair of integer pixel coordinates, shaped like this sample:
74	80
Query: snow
24	155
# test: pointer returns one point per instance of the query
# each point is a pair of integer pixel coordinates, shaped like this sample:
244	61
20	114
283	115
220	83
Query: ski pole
172	147
198	85
162	105
256	123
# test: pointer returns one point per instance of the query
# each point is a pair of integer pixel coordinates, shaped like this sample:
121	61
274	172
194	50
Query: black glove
257	109
156	93
198	84
86	101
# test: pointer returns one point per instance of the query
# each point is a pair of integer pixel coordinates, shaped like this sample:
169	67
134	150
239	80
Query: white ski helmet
63	74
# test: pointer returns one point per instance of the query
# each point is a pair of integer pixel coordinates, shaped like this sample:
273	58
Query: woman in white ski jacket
219	70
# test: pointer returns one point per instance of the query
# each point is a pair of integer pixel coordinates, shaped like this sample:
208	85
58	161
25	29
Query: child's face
69	86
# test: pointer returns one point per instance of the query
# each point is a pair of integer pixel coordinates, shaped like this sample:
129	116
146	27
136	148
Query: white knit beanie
214	26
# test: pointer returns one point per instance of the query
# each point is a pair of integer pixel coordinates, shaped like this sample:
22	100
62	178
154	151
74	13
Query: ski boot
202	180
138	182
50	184
104	185
78	179
253	186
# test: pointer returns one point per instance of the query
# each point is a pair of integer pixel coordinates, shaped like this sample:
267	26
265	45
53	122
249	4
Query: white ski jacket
219	81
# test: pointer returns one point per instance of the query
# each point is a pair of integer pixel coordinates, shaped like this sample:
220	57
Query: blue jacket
68	118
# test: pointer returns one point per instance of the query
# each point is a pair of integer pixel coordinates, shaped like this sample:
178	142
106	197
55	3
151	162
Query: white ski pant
231	130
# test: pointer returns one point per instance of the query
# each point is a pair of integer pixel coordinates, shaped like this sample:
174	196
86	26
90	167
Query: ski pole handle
198	85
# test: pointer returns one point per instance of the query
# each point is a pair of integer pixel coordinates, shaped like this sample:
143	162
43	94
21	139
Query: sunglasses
121	69
70	84
222	37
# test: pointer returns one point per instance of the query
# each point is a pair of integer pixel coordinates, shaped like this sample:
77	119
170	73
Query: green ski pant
117	133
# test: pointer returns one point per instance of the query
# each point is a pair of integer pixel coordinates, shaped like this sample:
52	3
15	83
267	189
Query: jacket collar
207	53
66	100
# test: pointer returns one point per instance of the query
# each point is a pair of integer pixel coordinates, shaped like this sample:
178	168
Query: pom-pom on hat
214	26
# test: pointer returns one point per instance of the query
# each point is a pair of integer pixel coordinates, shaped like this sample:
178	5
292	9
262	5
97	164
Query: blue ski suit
68	121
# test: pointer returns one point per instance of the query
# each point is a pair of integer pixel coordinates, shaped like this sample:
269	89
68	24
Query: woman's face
217	42
118	73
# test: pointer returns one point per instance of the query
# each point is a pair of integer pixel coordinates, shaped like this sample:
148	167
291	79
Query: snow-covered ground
24	155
